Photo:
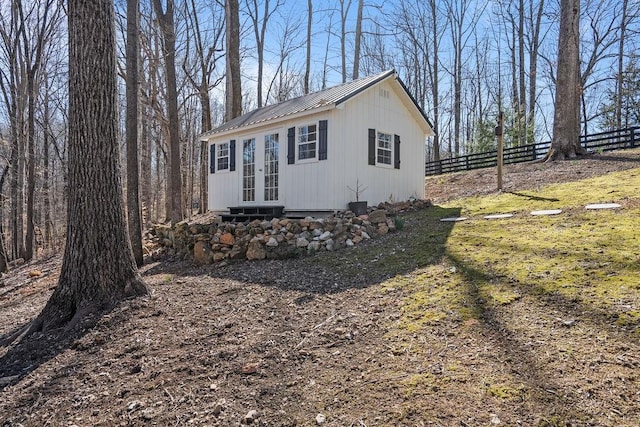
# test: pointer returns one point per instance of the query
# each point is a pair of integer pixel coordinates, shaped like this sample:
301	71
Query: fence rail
603	141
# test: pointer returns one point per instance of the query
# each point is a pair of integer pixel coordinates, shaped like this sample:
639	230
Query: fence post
499	132
633	137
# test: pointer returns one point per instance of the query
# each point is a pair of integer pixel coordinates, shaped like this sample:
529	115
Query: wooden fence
603	141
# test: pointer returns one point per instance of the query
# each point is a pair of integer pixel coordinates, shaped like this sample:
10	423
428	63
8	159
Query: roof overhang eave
267	122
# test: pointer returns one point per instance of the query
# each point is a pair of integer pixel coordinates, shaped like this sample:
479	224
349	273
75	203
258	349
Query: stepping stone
546	212
454	219
603	206
498	216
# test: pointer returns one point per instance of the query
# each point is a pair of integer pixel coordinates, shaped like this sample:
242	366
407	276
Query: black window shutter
396	151
291	146
212	158
322	152
372	146
232	155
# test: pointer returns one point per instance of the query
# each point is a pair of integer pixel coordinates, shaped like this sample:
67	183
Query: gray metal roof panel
334	95
327	97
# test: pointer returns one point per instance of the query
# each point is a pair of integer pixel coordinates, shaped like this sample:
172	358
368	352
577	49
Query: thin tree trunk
233	85
307	68
174	184
521	114
46	196
147	204
344	12
358	37
533	65
3	251
31	165
132	122
436	80
620	75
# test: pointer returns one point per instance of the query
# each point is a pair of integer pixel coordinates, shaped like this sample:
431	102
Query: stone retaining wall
278	238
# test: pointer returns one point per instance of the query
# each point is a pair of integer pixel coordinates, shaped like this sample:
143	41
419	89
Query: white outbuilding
312	154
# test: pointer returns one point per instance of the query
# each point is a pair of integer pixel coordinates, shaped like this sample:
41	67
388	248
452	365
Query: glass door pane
271	167
249	170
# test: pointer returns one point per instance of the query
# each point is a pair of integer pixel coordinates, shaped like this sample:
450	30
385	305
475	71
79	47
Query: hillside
514	322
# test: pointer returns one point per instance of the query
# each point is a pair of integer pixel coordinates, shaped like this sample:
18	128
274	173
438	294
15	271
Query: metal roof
328	97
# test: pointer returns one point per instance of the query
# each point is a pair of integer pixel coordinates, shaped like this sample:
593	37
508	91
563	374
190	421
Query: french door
261	168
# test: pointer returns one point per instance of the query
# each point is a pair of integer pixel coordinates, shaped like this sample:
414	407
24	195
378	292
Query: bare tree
233	105
175	195
421	26
461	26
199	72
307	68
285	83
358	41
345	5
619	76
534	20
260	20
96	216
3	252
134	218
13	86
566	124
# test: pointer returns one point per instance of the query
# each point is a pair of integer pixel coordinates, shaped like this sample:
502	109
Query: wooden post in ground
499	135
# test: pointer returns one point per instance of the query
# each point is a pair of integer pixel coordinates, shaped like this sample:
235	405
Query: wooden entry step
250	213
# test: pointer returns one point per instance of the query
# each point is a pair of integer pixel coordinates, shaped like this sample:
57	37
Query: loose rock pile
279	238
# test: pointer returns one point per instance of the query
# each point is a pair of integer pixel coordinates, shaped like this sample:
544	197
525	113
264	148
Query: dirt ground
306	342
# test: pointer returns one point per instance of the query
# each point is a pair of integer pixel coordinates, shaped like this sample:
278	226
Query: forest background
463	60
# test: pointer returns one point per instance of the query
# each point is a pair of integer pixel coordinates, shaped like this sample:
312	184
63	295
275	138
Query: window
383	150
307	137
223	156
249	170
271	167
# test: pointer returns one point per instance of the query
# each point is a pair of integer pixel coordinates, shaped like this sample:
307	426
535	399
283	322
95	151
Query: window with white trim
307	138
223	156
384	146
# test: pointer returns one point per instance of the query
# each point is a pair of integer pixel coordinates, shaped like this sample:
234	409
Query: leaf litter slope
530	321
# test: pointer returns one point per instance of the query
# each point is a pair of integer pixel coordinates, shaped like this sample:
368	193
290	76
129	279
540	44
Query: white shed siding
323	184
223	185
370	110
306	186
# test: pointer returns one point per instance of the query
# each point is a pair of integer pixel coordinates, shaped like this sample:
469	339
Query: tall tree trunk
307	68
32	74
521	113
204	169
15	215
536	20
134	218
233	107
174	185
358	39
98	269
344	13
260	29
435	80
46	191
147	202
31	165
566	121
514	85
620	74
3	251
